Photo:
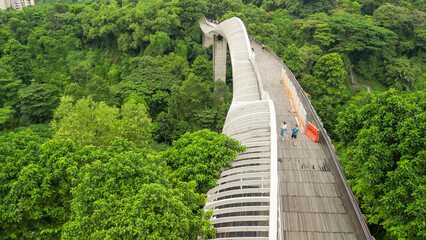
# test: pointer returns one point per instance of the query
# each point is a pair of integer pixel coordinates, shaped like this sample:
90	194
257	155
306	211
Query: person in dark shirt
294	132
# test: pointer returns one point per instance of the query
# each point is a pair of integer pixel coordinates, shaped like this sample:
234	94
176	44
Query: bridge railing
264	95
349	200
294	98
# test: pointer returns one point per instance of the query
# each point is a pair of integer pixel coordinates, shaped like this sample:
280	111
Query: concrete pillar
207	41
219	58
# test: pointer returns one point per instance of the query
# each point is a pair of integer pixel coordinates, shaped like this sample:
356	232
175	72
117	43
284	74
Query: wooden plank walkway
312	206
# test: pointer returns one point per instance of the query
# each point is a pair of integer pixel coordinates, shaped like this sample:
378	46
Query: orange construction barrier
312	132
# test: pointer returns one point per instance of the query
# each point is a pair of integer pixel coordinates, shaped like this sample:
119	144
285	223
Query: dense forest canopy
103	105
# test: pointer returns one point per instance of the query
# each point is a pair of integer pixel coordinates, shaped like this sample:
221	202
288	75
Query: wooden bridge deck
312	206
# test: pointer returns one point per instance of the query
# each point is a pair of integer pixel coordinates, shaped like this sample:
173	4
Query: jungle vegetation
109	117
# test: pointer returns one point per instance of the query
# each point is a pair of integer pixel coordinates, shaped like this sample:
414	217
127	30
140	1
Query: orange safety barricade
312	132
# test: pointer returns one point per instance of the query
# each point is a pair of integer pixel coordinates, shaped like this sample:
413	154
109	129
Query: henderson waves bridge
275	190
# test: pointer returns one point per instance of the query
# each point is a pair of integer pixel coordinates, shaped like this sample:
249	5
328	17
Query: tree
163	128
9	86
37	102
135	123
159	43
370	68
192	96
203	68
79	67
6	115
221	101
327	88
403	22
42	130
101	25
401	73
200	157
127	196
328	110
329	77
190	10
348	33
193	106
176	65
18	58
35	182
94	123
283	21
293	60
310	55
384	161
52	190
19	29
350	6
4	36
303	8
86	122
151	83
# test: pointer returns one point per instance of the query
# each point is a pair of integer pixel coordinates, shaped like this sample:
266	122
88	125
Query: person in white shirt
283	130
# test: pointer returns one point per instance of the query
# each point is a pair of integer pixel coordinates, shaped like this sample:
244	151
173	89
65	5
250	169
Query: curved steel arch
244	77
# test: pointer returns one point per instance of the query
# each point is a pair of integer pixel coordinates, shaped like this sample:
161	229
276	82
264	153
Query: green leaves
37	102
159	43
135	123
19	59
401	73
35	180
126	193
403	21
90	123
52	190
5	115
200	156
348	33
151	83
293	60
385	160
328	80
193	95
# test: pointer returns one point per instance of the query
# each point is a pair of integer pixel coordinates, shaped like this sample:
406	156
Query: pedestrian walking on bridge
283	130
294	131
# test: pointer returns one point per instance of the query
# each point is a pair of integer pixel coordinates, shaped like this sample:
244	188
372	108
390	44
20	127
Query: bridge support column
219	58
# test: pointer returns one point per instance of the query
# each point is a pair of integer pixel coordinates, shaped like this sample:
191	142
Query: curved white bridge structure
274	190
245	201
